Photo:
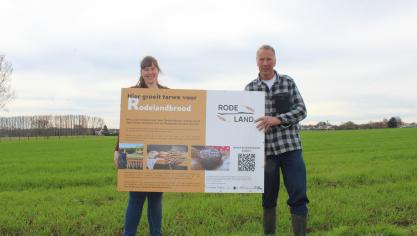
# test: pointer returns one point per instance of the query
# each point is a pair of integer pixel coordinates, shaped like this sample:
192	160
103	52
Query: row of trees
393	122
49	125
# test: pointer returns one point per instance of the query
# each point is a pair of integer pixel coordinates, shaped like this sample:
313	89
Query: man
284	108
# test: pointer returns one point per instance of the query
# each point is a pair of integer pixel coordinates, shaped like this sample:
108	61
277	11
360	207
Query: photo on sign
131	156
168	157
210	158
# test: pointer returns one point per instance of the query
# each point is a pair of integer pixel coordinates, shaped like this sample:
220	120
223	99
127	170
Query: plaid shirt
282	138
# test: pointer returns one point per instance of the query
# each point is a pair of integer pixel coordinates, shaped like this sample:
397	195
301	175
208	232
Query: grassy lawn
360	182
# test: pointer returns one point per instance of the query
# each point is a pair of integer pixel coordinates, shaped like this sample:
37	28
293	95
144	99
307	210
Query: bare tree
6	93
394	122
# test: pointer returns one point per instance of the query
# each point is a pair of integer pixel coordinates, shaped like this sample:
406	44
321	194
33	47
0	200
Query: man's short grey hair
265	47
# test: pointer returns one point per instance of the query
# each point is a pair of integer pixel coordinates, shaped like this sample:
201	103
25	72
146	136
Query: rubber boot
269	221
299	225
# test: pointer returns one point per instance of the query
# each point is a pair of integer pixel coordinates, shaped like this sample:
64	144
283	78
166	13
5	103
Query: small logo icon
132	102
235	113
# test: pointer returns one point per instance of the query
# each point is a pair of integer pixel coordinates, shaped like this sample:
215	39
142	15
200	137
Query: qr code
246	162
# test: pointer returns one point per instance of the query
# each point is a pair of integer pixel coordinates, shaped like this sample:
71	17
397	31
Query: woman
148	79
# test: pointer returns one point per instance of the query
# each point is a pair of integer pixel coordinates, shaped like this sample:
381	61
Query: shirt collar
259	81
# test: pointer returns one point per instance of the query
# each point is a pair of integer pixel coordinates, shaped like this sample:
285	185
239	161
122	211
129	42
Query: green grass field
360	182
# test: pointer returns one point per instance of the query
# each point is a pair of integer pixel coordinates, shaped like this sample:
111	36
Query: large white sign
230	121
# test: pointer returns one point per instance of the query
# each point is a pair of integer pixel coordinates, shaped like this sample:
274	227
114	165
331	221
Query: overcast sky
352	60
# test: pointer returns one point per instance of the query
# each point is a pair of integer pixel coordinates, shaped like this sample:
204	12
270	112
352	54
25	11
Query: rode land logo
235	113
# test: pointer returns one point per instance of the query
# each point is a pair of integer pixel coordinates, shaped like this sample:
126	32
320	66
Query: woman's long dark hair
148	61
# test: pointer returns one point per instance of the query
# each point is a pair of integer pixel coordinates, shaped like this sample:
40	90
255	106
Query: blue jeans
294	173
134	212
